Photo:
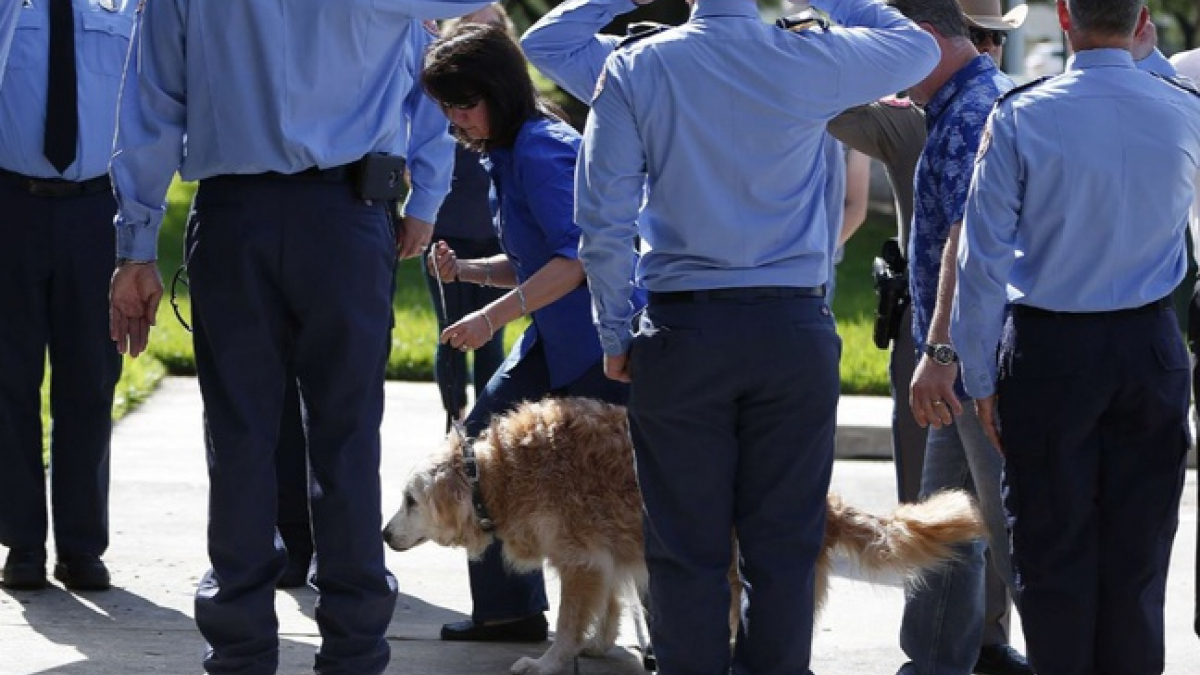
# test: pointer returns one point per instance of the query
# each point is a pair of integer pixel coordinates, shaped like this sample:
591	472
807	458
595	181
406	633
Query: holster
890	271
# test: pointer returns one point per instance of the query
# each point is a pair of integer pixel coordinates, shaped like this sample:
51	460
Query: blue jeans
942	628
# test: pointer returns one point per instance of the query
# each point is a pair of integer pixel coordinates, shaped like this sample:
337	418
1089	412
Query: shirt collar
977	68
1100	58
738	8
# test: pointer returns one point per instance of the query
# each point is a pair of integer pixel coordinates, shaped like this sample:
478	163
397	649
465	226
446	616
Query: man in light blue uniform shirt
720	125
278	110
566	47
1079	229
58	107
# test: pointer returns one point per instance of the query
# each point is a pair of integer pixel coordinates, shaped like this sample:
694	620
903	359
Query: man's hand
414	235
133	305
617	367
986	409
932	396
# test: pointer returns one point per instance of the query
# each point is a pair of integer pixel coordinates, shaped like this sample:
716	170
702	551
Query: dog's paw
542	666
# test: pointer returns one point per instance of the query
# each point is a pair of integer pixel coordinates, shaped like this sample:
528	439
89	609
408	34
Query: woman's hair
476	62
501	20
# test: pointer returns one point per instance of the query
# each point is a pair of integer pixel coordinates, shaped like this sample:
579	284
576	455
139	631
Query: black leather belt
1149	307
57	187
334	174
744	293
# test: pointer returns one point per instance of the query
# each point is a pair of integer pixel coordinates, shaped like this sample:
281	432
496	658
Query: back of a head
474	62
944	16
1114	18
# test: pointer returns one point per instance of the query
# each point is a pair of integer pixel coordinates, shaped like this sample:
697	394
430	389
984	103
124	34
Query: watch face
942	354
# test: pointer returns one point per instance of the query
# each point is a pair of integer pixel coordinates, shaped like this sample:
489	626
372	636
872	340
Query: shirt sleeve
545	168
1156	63
609	180
875	51
986	253
151	114
430	145
565	47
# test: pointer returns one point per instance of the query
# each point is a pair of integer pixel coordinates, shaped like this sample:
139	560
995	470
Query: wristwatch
943	355
131	261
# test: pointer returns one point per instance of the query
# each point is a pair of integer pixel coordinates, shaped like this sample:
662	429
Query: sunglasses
460	106
980	35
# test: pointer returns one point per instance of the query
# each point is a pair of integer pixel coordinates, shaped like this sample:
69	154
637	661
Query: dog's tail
916	538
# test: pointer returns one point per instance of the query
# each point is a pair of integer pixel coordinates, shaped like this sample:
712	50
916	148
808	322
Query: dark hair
944	15
1105	17
476	62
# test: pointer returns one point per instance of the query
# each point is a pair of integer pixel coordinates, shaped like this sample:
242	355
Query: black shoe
530	629
25	569
82	573
1001	660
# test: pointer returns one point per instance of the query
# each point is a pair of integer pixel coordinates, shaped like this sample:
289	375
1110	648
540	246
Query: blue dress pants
496	592
1094	413
732	411
1193	333
292	277
56	259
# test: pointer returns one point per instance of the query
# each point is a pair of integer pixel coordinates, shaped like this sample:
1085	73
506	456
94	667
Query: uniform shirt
533	205
565	46
724	119
102	30
1078	203
256	86
955	117
9	11
1188	65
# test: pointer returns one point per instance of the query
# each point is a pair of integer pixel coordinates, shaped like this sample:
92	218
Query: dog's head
437	506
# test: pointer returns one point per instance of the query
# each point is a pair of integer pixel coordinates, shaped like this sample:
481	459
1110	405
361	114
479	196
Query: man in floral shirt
942	628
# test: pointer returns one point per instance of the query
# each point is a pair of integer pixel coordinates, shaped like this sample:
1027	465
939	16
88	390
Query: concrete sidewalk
144	625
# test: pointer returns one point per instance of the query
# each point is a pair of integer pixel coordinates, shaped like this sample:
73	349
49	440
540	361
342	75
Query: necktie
62	115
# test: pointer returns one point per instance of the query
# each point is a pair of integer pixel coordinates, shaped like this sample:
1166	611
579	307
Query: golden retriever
557	478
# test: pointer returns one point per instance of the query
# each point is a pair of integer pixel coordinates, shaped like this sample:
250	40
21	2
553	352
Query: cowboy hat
986	14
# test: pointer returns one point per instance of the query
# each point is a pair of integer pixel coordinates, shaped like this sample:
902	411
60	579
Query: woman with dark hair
479	77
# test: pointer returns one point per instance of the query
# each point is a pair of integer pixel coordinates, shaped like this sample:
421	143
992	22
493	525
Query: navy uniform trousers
292	273
1194	343
732	412
56	259
1094	413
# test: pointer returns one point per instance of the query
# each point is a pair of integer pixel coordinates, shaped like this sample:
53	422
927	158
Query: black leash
470	462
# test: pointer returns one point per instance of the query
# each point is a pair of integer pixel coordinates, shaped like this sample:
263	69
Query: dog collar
471	469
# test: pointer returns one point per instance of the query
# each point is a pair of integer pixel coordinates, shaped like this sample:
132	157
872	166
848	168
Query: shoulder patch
600	83
1020	88
985	140
640	30
1179	83
802	21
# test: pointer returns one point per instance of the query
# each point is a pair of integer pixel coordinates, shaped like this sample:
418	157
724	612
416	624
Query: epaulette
1179	81
1020	88
802	21
640	30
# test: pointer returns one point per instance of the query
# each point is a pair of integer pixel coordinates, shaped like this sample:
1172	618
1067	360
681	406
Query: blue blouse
533	204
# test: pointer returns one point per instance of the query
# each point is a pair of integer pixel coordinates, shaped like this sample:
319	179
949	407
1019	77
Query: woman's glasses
460	106
981	35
